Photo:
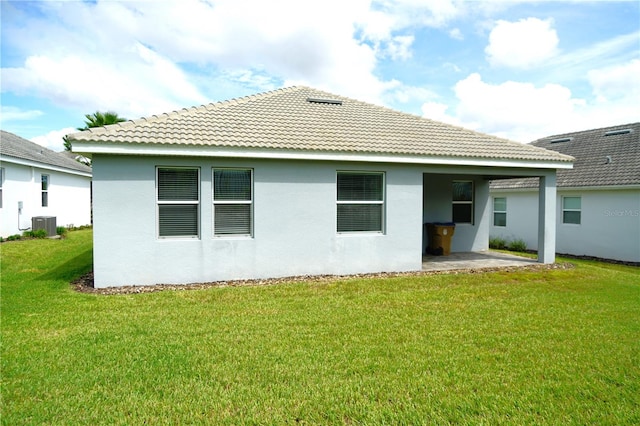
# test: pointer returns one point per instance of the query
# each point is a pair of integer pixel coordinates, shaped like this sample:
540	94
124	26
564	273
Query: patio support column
547	218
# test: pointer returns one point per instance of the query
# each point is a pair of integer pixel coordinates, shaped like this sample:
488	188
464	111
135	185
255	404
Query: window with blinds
360	202
232	202
178	202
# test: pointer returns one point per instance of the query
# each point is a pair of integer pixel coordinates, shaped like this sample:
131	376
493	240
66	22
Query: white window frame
382	202
503	212
564	209
231	202
465	202
44	192
177	202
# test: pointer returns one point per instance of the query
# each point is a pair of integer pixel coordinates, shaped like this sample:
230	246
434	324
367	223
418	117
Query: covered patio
459	195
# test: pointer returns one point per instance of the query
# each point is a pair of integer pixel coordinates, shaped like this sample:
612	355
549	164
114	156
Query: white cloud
455	33
10	113
407	94
121	61
514	110
438	112
616	82
524	112
138	82
431	13
53	139
522	44
400	47
381	18
448	67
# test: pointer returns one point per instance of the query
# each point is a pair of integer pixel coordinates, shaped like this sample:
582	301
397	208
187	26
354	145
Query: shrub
518	245
40	233
72	227
498	243
61	230
14	237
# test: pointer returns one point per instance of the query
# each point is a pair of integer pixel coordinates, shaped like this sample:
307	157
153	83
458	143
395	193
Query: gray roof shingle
14	146
285	119
608	156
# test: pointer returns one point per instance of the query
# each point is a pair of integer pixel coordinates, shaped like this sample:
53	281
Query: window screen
232	202
178	202
360	203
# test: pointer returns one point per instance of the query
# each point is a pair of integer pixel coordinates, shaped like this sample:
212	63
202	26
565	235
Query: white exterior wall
294	224
522	218
609	228
69	198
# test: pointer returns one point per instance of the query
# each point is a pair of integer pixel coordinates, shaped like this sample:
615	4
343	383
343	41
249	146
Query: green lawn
550	347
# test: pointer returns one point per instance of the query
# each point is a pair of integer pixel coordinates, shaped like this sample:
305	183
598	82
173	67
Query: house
35	182
292	182
598	201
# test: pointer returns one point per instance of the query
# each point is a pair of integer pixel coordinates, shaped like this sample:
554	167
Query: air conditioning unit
48	223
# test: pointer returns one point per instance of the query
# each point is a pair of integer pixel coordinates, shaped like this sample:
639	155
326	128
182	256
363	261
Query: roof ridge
597	129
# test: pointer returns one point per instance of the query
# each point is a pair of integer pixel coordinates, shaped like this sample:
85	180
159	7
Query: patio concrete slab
474	260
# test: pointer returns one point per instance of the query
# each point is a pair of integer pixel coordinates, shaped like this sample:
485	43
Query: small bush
14	237
518	245
61	230
497	243
39	233
72	227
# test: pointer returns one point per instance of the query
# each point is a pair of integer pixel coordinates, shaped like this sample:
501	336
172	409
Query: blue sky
516	69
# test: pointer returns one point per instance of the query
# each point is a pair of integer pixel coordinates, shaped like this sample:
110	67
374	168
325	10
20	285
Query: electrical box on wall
48	223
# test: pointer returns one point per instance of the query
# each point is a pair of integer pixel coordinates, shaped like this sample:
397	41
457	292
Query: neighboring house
35	181
598	201
292	182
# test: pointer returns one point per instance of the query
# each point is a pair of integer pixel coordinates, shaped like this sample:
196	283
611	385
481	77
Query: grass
553	347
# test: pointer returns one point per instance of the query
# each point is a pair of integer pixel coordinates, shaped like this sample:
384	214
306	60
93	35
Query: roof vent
618	132
324	101
608	159
560	140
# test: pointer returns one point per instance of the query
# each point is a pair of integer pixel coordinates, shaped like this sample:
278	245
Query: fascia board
198	151
30	163
506	190
571	188
599	188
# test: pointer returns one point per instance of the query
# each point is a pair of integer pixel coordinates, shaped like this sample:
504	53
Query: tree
97	119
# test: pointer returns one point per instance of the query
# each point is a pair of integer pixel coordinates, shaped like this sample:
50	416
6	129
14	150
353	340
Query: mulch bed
85	283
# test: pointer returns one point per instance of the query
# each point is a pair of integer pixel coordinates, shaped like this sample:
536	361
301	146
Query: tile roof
14	146
608	156
286	119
